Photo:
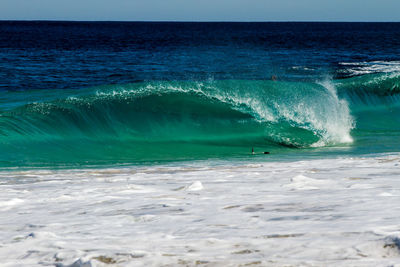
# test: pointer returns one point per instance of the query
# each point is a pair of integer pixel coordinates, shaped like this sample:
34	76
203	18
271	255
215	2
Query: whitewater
330	212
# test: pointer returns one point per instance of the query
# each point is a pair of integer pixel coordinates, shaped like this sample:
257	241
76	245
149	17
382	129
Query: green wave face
158	121
374	101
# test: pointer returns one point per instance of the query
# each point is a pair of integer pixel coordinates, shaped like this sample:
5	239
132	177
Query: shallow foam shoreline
336	212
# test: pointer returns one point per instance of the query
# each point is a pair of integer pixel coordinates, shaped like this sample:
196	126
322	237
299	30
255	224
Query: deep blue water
130	92
73	55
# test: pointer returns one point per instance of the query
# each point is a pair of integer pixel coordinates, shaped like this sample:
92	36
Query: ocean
130	143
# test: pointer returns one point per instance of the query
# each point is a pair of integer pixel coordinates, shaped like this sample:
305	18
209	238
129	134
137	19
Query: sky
201	10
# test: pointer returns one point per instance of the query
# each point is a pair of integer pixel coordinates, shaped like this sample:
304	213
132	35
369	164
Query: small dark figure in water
253	153
273	78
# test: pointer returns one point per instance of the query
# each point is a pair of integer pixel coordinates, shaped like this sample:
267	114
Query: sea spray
340	122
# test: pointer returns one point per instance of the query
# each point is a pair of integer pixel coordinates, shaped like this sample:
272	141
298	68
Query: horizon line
197	21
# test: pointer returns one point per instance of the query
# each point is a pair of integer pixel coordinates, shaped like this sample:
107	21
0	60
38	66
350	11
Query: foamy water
327	212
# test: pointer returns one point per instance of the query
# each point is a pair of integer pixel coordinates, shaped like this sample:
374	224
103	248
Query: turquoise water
76	94
158	121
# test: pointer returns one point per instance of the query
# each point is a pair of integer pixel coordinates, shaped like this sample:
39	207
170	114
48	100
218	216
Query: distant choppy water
77	93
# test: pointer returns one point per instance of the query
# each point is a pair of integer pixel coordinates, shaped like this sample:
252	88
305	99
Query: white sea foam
196	186
328	212
367	67
301	182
